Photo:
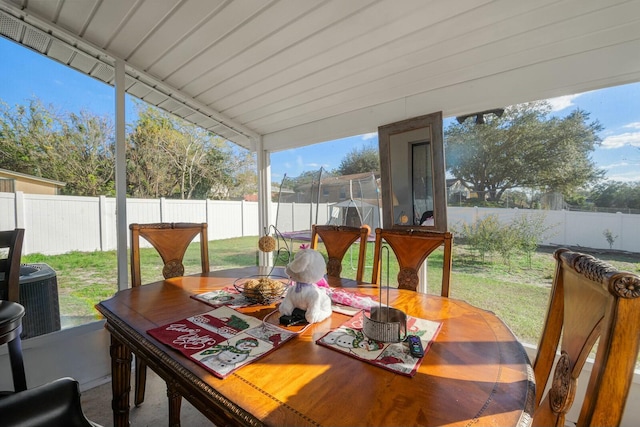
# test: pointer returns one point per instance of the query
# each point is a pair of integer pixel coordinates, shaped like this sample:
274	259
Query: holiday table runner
222	340
343	301
350	340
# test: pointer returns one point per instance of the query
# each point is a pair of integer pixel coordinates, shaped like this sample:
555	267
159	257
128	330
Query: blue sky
30	75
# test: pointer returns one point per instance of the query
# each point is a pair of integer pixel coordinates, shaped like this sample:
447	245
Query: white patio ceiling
297	72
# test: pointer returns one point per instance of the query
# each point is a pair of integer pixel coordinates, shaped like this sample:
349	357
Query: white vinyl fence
60	224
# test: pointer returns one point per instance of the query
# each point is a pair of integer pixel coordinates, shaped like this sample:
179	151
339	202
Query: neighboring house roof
283	190
4	173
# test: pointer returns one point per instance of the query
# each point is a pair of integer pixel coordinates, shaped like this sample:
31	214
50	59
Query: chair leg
17	365
175	401
141	381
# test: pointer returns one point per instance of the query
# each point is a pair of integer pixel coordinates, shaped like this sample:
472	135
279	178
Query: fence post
620	229
19	209
20	218
209	212
102	220
242	210
163	208
564	226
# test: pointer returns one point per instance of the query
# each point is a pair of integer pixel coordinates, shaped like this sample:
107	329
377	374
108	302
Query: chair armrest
54	404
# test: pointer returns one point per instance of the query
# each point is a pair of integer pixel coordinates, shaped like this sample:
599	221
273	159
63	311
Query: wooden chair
589	300
411	247
171	240
11	312
337	240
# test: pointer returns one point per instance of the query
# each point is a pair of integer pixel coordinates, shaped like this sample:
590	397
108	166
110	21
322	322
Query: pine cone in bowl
262	289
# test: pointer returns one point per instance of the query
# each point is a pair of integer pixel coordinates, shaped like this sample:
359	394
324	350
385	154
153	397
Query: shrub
531	230
482	235
523	234
610	237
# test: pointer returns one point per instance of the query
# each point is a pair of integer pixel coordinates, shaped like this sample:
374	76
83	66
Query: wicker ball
267	244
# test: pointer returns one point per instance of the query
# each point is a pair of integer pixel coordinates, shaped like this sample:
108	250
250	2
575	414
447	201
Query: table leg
175	400
120	382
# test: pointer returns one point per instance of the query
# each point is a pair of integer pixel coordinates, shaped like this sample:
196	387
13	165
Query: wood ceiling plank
185	19
431	42
250	33
292	38
505	88
140	22
73	15
465	55
198	41
107	19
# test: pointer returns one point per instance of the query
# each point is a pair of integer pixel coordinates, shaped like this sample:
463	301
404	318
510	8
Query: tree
245	177
84	156
147	171
364	159
27	133
305	179
166	156
77	149
524	148
615	194
169	157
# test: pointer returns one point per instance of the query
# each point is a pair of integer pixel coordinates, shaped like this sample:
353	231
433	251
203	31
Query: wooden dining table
474	373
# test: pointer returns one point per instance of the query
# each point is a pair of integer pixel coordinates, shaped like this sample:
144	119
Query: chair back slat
171	241
590	302
337	240
411	248
11	244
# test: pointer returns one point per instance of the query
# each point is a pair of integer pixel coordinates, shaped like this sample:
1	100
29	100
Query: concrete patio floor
154	412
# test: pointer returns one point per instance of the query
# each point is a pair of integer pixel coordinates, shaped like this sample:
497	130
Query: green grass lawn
517	293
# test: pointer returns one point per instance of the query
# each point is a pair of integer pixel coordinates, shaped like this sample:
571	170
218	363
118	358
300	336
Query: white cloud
622	140
634	125
317	165
562	102
628	176
368	136
616	165
625	170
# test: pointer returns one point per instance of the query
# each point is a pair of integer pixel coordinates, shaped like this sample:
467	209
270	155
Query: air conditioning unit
39	296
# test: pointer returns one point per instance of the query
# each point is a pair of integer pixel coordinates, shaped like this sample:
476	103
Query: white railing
60	224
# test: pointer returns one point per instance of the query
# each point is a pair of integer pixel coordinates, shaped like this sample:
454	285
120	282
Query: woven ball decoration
267	244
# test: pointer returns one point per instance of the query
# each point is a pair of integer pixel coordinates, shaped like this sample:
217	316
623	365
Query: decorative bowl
263	289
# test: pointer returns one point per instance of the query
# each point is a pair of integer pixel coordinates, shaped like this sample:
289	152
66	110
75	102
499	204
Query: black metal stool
11	314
